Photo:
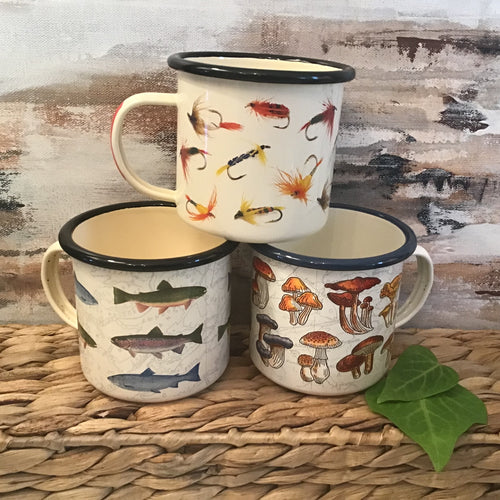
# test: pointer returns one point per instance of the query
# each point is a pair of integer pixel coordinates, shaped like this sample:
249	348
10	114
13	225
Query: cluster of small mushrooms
298	301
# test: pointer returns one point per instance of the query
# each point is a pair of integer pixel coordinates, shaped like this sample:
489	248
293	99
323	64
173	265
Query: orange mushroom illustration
289	305
350	300
295	286
367	349
263	275
308	301
305	361
320	341
390	290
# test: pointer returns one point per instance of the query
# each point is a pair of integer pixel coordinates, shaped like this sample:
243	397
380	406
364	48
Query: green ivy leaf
435	422
417	374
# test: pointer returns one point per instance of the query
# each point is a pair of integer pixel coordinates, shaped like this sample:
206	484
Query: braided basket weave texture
244	437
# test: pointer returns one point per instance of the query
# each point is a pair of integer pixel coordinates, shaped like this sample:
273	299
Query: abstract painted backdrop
419	138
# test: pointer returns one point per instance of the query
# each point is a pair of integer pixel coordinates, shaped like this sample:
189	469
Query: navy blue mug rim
183	61
126	264
364	263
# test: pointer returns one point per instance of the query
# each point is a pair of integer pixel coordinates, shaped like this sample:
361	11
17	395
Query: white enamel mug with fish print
256	137
152	300
325	307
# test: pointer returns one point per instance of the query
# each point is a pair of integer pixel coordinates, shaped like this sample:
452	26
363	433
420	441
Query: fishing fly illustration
249	213
204	120
149	381
186	153
155	342
271	110
258	152
83	294
297	186
199	212
327	116
324	199
162	298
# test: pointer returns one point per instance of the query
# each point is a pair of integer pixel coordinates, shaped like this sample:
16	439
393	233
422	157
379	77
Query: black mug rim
141	265
358	264
182	61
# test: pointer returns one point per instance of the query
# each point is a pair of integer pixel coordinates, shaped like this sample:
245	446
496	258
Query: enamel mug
152	300
256	137
325	307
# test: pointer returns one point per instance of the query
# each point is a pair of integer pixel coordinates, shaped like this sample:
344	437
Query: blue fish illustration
148	381
83	294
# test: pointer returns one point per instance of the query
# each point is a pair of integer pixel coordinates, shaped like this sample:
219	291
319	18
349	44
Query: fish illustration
201	119
85	337
258	152
327	116
297	186
155	342
273	110
248	213
162	298
201	212
221	329
83	294
148	381
186	153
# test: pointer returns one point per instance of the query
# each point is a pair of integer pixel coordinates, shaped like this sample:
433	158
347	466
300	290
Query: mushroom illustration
266	324
308	301
264	352
320	341
355	286
260	289
387	348
351	363
305	361
295	286
278	346
288	304
386	314
343	300
390	290
366	312
367	349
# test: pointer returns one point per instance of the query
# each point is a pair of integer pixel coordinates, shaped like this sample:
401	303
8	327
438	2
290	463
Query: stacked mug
256	136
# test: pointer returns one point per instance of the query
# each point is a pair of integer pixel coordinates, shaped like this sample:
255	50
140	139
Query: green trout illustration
155	342
162	298
85	337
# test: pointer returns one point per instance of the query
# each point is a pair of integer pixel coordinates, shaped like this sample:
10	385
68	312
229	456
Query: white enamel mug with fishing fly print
256	137
152	300
325	307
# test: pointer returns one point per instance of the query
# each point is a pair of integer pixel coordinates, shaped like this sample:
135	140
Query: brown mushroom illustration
305	361
263	275
390	290
278	346
351	363
308	301
288	304
295	286
320	341
264	352
367	349
266	324
343	300
366	312
355	286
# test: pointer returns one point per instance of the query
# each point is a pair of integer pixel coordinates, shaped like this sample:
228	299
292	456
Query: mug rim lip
346	264
183	61
82	254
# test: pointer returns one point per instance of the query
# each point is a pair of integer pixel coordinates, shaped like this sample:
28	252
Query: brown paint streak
410	45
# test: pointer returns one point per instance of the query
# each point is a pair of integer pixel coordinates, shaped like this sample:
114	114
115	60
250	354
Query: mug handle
51	283
128	173
421	288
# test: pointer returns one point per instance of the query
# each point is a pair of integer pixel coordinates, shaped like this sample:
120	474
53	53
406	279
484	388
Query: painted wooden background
420	126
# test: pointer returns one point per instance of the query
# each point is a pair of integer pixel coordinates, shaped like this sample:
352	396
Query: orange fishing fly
273	110
327	116
201	212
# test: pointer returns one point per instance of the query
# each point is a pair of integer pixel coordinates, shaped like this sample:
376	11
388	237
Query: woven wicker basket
244	437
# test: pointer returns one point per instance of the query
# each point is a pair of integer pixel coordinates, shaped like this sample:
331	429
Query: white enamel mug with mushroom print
152	300
325	307
256	138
